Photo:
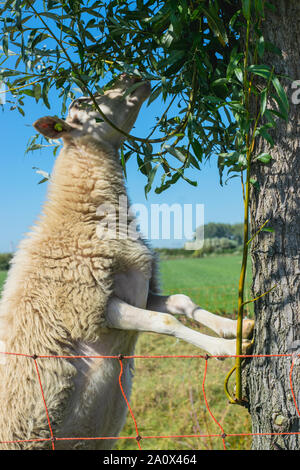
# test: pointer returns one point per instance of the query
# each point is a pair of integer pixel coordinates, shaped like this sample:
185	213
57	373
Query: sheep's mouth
142	91
141	86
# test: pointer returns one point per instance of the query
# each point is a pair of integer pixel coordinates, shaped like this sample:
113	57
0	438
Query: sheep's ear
52	127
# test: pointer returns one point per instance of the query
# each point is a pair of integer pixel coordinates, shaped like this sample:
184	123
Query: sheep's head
119	107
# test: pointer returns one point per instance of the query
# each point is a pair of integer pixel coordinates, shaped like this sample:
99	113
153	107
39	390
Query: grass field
212	282
167	397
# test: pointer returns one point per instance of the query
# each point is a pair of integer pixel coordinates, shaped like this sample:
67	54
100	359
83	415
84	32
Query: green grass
212	282
167	400
167	397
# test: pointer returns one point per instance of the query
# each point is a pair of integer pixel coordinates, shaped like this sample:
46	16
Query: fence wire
223	435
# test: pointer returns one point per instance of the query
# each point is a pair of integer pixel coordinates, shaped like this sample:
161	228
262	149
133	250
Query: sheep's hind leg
181	304
123	316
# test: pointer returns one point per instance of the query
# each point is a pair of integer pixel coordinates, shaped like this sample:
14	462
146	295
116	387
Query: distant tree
219	230
237	233
216	245
5	259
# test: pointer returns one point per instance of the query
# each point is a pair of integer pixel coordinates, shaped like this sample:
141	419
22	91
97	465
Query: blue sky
22	197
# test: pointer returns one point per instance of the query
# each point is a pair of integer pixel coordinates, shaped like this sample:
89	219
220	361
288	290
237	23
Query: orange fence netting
222	435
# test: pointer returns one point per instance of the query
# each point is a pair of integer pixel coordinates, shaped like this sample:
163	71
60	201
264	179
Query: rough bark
275	256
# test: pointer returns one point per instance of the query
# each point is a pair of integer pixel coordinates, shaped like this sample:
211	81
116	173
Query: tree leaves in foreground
191	52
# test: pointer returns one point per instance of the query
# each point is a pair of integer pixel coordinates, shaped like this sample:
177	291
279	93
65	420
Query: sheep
70	292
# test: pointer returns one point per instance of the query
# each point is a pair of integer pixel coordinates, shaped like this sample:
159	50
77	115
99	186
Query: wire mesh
222	435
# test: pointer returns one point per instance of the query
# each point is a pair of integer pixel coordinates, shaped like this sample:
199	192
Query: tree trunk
275	256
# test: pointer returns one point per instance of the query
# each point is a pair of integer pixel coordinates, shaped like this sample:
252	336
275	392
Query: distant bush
5	260
211	246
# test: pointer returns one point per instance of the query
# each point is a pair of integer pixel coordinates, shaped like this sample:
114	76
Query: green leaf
276	113
239	74
246	6
28	92
254	183
215	23
155	94
151	176
193	183
264	158
194	161
132	88
261	70
141	165
270	6
37	91
235	58
281	93
45	91
43	180
220	87
272	48
40	37
283	112
269	117
45	174
21	110
175	152
234	18
268	229
53	16
197	150
79	82
263	101
168	183
261	46
167	39
259	7
262	131
5	44
242	161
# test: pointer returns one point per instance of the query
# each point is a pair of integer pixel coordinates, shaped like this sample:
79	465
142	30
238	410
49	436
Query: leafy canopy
190	50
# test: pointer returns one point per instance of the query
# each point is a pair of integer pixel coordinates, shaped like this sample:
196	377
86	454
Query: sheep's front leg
181	304
123	316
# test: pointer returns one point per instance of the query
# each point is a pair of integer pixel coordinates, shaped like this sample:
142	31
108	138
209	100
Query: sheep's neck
85	177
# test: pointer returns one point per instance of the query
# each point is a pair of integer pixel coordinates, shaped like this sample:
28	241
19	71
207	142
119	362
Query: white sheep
70	292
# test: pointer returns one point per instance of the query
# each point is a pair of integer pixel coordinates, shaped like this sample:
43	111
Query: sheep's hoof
247	346
248	327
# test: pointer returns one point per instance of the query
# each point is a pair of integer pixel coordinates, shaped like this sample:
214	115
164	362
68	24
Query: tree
275	255
233	232
218	66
